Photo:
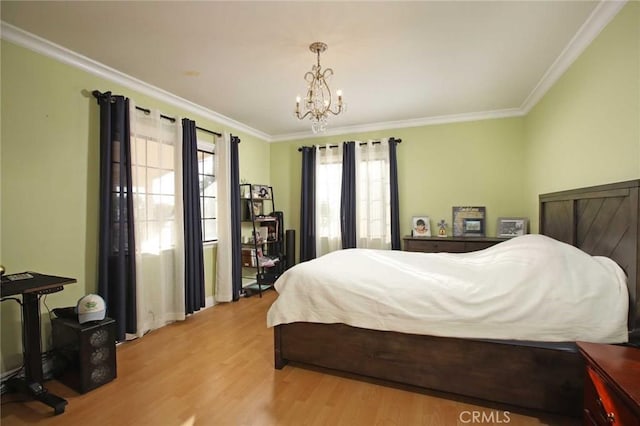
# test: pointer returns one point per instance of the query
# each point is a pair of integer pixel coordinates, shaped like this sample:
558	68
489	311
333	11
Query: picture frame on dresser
473	227
420	226
509	227
469	221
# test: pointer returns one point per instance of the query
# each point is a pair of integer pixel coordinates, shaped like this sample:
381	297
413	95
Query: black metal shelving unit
262	239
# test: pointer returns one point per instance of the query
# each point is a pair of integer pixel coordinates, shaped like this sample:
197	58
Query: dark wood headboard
602	221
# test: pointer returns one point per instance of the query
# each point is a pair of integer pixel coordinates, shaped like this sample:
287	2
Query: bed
601	221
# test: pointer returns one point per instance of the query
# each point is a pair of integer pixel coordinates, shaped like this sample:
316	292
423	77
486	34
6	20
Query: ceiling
397	63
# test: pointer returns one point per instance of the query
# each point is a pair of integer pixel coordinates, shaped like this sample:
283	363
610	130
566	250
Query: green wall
50	178
586	129
476	163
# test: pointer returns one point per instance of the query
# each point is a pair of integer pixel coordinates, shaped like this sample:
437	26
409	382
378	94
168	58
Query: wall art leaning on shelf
469	221
420	226
509	227
261	192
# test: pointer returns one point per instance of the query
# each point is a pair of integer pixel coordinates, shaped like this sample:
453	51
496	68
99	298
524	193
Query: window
328	200
153	177
208	191
328	186
373	196
373	205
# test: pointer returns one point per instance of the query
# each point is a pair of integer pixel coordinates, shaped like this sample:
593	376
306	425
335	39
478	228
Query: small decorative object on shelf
257	209
442	228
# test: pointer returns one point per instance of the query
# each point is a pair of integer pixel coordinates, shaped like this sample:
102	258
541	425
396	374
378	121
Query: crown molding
40	45
45	47
604	12
401	124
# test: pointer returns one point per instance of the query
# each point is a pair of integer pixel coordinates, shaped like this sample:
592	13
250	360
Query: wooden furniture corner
612	384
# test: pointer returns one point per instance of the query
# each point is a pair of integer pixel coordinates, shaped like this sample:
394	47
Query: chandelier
317	102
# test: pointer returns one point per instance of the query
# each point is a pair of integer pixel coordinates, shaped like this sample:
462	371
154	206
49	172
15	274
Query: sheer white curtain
373	195
328	187
224	276
156	146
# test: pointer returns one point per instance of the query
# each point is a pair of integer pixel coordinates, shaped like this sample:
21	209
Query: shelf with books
262	238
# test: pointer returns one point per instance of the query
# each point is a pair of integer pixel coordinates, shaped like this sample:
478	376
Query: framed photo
257	208
261	192
472	227
420	226
509	227
469	221
262	234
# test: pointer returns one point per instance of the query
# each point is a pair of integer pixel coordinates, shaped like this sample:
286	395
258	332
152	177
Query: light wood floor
216	368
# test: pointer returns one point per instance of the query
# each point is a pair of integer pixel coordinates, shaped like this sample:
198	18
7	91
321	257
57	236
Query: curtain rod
97	94
361	143
173	120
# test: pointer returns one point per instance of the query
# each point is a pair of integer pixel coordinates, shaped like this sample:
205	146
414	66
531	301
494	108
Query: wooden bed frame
601	220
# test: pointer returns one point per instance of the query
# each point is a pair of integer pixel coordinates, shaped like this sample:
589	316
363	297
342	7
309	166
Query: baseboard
209	302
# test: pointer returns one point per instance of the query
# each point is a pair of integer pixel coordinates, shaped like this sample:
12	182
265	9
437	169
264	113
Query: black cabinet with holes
85	354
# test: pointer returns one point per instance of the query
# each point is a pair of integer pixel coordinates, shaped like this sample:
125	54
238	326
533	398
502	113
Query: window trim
209	147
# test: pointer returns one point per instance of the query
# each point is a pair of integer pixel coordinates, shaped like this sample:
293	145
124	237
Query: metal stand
31	286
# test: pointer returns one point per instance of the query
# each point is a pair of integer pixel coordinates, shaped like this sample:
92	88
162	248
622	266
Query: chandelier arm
303	116
308	75
328	70
327	105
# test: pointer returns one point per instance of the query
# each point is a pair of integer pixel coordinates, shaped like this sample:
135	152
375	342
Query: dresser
612	384
449	244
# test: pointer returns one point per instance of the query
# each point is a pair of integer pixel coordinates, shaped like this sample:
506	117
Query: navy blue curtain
395	199
193	258
348	196
308	205
236	266
116	263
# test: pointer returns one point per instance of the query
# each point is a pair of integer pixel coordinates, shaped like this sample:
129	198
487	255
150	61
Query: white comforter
528	288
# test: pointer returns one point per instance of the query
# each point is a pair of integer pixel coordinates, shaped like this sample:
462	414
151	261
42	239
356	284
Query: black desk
31	285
